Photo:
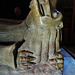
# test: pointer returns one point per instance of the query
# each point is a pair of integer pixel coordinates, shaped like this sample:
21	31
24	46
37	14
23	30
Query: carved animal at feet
41	31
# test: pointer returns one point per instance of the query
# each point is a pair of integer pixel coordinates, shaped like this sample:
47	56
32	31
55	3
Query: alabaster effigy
36	48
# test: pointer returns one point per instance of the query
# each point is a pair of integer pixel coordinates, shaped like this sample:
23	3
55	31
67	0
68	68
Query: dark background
7	8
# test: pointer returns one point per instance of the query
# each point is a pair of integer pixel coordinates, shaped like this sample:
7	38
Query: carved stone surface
40	52
6	55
